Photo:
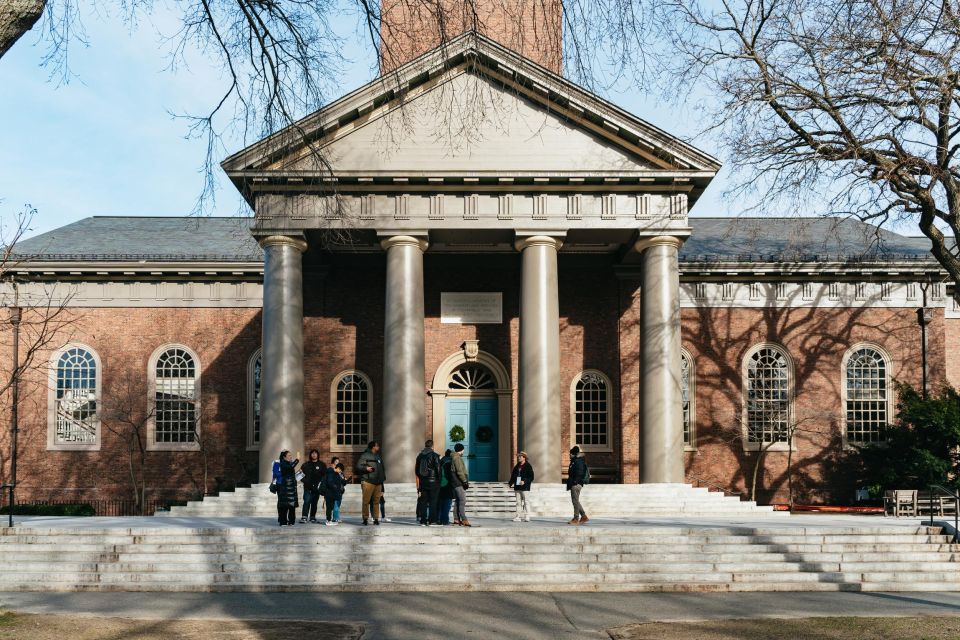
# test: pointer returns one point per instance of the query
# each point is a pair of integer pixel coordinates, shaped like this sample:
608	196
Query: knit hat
458	447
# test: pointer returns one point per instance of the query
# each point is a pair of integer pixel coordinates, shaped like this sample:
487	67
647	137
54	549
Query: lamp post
924	317
15	317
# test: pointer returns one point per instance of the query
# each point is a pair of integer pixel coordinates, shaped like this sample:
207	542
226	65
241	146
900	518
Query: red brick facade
532	28
343	329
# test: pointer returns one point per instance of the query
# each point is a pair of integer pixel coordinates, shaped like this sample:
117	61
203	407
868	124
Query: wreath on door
457	434
484	434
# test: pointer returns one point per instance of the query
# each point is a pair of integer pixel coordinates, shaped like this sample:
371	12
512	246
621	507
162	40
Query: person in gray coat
461	482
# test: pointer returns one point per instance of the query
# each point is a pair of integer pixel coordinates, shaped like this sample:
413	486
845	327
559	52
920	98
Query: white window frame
252	397
350	448
152	444
888	382
609	416
791	381
52	444
691	399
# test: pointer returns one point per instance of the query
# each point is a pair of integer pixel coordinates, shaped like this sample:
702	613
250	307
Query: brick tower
532	28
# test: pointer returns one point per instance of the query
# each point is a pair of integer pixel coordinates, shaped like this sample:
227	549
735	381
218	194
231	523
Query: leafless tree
282	59
851	106
44	314
819	428
127	414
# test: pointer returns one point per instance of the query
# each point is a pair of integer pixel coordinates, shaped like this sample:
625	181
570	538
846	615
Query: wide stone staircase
501	557
495	499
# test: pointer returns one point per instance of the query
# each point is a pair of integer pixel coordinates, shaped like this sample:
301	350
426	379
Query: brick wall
532	28
816	340
223	339
343	329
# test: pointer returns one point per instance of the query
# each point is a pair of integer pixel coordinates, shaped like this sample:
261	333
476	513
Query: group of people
442	484
319	481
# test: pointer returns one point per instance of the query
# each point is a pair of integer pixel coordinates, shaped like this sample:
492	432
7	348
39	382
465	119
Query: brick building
484	246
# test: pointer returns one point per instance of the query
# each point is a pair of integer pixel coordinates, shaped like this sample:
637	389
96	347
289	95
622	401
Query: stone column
539	420
661	404
281	386
404	391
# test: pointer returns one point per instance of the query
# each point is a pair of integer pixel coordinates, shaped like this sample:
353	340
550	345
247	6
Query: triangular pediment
471	108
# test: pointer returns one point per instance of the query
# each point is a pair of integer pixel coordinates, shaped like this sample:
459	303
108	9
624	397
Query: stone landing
88	555
495	499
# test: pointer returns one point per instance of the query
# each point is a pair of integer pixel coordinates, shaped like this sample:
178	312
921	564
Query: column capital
404	240
658	241
552	240
290	241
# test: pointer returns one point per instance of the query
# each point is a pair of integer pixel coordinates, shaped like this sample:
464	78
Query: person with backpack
446	486
287	490
313	472
372	477
343	482
427	469
461	482
521	479
578	474
333	488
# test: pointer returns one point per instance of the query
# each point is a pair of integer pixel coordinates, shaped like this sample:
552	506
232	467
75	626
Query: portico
404	192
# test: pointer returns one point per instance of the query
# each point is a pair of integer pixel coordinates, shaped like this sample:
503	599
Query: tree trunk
761	453
16	18
790	474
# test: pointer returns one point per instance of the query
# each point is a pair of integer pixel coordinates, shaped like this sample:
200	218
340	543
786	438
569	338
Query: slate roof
763	239
208	239
122	238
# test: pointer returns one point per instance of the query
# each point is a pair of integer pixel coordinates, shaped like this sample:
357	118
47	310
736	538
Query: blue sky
105	142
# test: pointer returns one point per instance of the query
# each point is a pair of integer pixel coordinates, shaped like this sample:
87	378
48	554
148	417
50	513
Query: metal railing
700	482
939	498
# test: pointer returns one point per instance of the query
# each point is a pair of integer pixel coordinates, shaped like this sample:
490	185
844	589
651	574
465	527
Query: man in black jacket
427	470
576	478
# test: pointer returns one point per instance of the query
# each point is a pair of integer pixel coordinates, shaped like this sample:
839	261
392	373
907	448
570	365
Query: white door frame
503	393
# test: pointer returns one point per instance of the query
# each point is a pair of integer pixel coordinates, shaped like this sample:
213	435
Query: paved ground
798	520
520	616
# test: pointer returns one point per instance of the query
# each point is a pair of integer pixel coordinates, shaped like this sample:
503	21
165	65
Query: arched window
590	409
254	367
74	399
175	383
471	377
767	390
866	394
352	408
687	382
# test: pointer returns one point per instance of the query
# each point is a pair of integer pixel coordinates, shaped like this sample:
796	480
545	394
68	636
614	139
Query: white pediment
466	123
468	110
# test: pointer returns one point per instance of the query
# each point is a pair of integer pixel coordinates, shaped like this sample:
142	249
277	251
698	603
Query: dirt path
42	627
925	628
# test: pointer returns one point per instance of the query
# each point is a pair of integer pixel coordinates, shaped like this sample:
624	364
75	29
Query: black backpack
423	465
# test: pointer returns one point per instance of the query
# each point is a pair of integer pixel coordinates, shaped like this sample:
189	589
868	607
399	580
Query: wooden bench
941	505
900	502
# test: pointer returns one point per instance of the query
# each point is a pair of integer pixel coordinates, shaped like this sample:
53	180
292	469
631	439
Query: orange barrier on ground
817	508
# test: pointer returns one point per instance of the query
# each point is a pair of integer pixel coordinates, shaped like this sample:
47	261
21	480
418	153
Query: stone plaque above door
478	307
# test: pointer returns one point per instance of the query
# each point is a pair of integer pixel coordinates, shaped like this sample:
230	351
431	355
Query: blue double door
478	419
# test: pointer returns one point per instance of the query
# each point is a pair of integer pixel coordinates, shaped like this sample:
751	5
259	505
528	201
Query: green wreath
457	434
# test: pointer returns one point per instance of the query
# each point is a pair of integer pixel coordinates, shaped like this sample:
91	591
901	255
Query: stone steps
608	557
496	499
